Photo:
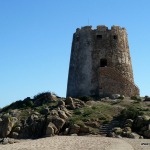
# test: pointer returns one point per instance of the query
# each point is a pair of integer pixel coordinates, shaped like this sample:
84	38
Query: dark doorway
99	37
115	37
103	63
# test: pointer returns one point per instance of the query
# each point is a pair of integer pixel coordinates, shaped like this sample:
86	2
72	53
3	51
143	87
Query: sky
36	37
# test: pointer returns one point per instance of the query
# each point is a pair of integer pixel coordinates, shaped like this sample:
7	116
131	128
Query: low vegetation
86	113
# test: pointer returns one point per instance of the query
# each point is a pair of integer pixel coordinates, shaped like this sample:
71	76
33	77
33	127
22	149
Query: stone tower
100	63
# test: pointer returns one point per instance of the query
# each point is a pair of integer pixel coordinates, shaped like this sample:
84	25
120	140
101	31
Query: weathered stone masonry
100	63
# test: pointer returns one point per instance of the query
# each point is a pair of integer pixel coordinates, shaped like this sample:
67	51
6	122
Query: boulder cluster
48	115
137	128
48	121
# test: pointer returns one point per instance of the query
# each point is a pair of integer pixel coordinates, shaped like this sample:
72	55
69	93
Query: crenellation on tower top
86	28
102	28
78	29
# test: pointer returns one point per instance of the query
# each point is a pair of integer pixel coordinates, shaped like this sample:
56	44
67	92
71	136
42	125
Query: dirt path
70	143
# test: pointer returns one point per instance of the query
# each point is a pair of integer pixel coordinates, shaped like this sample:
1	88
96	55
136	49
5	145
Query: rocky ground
47	115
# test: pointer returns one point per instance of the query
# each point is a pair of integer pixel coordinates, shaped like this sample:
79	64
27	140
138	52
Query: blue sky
36	36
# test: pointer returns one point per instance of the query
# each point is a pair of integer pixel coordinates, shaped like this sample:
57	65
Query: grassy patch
101	112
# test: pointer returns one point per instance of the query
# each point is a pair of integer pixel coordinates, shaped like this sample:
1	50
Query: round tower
100	63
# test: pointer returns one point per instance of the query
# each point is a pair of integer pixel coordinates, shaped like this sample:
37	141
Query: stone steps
107	128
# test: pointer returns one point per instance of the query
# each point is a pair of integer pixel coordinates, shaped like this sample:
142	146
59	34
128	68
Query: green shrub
43	95
130	112
137	98
30	104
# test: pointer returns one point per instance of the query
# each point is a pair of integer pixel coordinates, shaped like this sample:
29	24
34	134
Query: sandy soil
77	143
139	144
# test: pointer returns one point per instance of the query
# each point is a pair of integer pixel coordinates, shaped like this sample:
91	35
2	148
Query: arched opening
103	63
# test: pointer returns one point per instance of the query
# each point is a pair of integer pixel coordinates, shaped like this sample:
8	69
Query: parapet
116	28
101	28
86	27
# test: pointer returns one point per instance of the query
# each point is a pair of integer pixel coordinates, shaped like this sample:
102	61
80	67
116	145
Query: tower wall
93	49
79	79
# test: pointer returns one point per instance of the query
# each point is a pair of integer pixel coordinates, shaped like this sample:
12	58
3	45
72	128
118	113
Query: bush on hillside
130	113
137	98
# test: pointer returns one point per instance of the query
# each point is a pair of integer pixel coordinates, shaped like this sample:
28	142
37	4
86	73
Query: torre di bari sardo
100	63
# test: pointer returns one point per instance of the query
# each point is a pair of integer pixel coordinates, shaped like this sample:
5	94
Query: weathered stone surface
62	114
100	63
51	129
128	123
74	129
14	135
138	122
92	124
69	101
117	130
111	134
33	128
84	129
133	135
17	129
115	96
5	141
61	102
127	129
6	125
58	122
147	133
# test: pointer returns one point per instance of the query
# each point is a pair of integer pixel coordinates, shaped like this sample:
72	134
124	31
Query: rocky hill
47	114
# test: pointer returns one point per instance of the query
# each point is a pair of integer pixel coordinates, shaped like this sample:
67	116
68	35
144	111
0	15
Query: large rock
62	114
115	96
111	134
61	102
93	124
17	129
141	122
14	135
146	118
33	128
127	129
54	113
32	119
69	101
84	129
117	130
74	129
6	125
128	123
138	122
51	129
147	133
133	135
14	113
58	122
